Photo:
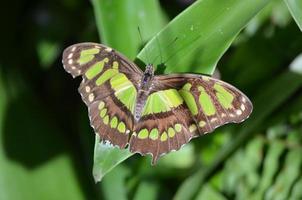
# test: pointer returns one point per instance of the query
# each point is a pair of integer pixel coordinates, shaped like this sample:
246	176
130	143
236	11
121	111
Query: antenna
161	58
146	52
183	46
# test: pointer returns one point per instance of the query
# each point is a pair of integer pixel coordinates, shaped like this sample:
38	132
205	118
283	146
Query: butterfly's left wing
109	88
184	106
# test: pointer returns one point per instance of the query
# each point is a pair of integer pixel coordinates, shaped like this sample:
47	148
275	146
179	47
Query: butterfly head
147	77
149	71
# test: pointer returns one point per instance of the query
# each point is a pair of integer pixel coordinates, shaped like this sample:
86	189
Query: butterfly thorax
145	87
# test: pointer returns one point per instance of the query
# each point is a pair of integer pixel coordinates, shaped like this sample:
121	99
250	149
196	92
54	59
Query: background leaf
106	158
118	23
197	38
295	8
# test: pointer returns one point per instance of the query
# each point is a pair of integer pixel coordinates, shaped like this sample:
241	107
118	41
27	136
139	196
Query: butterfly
152	114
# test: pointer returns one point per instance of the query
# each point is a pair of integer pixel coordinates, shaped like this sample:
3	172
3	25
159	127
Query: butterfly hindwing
162	132
110	121
109	88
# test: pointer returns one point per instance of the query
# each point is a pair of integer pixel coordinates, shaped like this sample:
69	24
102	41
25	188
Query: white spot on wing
91	97
213	119
70	61
242	107
205	78
243	100
87	88
108	49
238	112
73	49
70	55
232	115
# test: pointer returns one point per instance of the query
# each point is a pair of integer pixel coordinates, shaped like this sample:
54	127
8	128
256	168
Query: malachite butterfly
152	114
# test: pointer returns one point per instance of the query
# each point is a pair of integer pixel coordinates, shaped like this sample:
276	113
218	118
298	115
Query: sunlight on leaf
106	157
296	65
295	8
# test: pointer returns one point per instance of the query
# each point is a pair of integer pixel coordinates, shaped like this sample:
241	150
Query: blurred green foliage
46	144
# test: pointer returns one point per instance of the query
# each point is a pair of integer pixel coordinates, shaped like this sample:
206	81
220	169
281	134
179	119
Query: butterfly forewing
79	58
211	101
108	88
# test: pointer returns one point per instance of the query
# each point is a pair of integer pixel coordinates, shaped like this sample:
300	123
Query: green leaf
297	192
197	38
243	167
270	168
295	8
146	191
190	186
118	23
207	192
106	157
181	159
114	183
287	176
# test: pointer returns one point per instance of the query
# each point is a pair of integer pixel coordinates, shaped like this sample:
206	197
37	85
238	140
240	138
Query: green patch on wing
143	134
224	97
163	136
87	55
121	127
113	122
189	98
108	74
206	102
154	134
124	90
95	69
162	101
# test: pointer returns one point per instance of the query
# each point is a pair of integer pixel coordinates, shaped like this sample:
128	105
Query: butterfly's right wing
183	106
109	88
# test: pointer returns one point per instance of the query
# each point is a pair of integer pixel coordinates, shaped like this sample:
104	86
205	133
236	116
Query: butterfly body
150	114
145	86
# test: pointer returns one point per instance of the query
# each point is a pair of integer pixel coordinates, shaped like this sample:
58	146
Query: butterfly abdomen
145	87
140	103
